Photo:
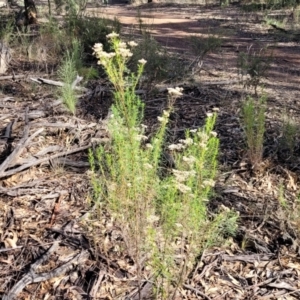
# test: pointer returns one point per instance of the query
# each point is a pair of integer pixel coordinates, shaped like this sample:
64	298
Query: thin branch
197	292
42	160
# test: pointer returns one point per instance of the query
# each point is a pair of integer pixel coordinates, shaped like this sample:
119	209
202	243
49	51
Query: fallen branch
55	125
61	125
20	146
57	162
33	277
42	160
200	84
8	130
47	150
222	82
76	81
282	285
19	186
70	163
58	83
247	258
12	77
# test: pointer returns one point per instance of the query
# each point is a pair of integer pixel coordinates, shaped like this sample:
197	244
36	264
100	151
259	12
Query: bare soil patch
49	249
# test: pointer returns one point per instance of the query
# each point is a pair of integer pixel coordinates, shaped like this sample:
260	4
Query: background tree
27	15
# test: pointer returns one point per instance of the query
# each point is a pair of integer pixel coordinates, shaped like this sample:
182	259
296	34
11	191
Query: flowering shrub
159	217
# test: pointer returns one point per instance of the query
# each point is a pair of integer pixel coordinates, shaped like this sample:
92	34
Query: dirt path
240	31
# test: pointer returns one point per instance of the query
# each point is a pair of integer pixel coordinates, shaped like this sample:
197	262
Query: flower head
98	47
132	44
141	137
209	182
125	52
189	159
166	113
104	54
187	141
175	92
183	188
122	45
182	176
203	136
176	147
152	219
148	166
112	35
142	61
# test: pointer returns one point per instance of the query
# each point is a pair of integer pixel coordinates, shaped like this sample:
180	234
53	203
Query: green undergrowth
68	73
253	121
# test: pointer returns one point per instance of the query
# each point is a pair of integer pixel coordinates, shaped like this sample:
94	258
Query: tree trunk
5	58
30	12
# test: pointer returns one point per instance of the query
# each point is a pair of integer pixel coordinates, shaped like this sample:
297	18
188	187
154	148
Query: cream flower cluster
184	143
122	49
164	117
175	91
180	178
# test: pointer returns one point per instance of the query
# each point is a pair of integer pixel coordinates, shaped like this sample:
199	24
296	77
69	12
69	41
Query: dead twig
197	292
55	211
